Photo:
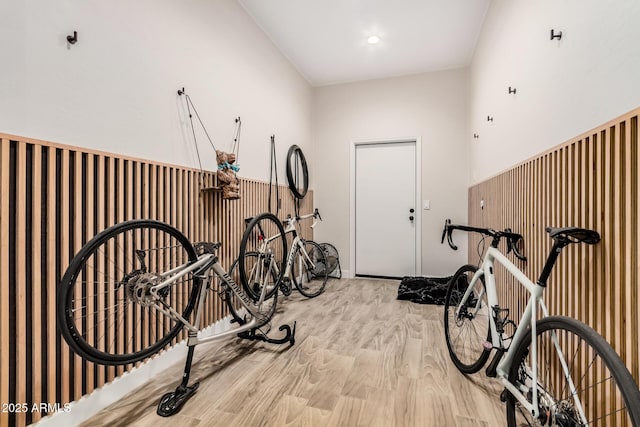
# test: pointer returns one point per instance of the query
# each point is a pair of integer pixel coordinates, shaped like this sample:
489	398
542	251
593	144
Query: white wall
115	90
564	88
432	106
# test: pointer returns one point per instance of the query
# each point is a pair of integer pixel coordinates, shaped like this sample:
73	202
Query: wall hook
476	136
512	89
181	91
73	39
555	35
489	118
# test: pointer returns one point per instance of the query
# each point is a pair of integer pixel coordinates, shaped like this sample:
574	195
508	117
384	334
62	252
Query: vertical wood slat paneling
63	255
4	277
55	198
76	225
591	181
36	268
20	278
51	282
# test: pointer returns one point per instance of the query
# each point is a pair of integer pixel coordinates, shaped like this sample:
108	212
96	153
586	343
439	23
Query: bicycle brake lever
444	230
518	254
509	242
450	240
512	246
447	231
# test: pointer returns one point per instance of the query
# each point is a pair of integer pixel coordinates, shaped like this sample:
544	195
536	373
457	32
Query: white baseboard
89	405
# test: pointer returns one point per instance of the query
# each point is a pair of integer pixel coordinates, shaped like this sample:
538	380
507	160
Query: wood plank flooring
361	358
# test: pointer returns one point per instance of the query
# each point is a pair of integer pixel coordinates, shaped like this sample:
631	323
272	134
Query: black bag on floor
424	290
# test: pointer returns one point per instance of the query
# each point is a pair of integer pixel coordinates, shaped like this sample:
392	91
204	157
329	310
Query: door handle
411	218
411	210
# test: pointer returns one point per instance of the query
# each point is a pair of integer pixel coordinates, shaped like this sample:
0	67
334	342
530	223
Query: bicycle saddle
206	247
573	235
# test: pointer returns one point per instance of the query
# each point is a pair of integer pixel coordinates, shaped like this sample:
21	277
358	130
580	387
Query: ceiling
326	40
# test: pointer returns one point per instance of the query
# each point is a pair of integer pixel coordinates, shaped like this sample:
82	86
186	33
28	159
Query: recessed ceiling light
373	39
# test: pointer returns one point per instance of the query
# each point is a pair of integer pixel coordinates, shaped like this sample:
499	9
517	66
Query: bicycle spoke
108	315
588	392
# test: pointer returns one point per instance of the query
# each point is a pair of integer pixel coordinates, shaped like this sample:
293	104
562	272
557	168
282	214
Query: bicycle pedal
172	402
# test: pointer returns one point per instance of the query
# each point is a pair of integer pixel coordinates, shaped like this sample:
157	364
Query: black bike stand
256	335
172	402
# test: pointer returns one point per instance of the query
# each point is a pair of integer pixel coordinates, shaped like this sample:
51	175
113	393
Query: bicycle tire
293	156
273	254
572	334
468	357
105	313
233	302
253	285
310	279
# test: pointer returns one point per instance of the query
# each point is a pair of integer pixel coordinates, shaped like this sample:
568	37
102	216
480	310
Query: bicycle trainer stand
172	402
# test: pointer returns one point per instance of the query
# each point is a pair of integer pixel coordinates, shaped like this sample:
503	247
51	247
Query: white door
385	211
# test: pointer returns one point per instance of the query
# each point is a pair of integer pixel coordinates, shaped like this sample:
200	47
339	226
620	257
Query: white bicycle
306	264
135	286
556	370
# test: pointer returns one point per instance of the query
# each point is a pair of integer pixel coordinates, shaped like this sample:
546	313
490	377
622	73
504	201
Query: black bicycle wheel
309	270
297	173
235	306
605	392
264	312
262	258
259	270
105	310
468	331
263	305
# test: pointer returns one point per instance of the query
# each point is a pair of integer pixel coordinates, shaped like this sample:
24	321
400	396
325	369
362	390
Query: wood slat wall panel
4	278
53	199
590	181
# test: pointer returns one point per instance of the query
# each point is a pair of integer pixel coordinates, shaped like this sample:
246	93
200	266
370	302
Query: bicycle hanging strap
296	174
273	170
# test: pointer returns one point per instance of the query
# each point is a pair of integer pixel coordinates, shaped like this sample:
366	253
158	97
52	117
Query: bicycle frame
297	242
527	321
198	268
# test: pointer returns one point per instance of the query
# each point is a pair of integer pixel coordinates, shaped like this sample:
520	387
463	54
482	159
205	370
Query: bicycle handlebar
512	238
315	215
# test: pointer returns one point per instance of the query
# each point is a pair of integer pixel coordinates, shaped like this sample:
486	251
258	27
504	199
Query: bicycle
133	287
541	364
306	261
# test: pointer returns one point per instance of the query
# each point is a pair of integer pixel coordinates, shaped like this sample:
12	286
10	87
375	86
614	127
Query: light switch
426	205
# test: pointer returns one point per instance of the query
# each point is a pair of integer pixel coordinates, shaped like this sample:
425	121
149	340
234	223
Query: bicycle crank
285	286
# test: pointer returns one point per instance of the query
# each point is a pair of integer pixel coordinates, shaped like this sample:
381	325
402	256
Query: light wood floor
361	358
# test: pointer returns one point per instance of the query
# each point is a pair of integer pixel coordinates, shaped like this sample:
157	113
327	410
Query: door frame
352	196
